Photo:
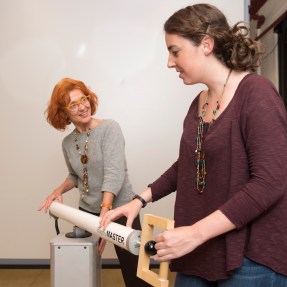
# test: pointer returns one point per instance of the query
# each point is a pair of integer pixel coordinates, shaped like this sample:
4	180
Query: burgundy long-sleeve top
246	164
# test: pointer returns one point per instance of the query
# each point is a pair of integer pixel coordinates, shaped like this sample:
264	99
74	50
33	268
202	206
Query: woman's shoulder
254	86
256	91
68	138
110	124
257	82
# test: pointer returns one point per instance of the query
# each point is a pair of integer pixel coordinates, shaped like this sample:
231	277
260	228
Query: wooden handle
157	280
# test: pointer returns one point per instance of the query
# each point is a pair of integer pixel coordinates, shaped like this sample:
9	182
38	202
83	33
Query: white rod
117	234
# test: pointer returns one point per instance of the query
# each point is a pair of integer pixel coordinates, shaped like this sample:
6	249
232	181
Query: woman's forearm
67	185
180	241
213	225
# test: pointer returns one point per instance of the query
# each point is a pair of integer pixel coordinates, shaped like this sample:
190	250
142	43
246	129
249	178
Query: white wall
118	49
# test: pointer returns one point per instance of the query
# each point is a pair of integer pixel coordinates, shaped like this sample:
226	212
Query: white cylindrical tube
115	233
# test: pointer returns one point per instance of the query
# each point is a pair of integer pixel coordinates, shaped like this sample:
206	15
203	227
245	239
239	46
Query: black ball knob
150	248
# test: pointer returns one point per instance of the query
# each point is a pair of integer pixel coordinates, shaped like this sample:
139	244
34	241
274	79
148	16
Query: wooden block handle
157	280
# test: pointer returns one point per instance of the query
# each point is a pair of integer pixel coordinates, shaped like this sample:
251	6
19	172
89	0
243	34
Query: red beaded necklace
201	131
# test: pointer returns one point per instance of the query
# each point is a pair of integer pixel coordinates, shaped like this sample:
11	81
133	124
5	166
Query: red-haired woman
95	156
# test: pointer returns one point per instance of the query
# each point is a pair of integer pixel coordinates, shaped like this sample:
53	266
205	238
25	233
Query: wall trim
45	264
254	7
273	25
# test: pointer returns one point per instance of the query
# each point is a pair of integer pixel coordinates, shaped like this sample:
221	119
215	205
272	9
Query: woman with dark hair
95	156
231	192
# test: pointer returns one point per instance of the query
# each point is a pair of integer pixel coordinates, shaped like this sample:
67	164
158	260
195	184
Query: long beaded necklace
84	161
201	131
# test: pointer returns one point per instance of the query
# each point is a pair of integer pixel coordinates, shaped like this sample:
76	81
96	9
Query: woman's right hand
67	185
129	210
53	196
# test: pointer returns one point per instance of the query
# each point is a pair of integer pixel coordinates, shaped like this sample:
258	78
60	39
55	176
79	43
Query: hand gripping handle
157	280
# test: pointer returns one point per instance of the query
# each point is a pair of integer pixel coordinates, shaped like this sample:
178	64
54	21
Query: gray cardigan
107	168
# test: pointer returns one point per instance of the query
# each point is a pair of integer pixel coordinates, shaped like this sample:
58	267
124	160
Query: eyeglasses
75	106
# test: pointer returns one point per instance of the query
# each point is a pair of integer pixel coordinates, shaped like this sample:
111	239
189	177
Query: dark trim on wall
45	264
281	30
254	7
273	25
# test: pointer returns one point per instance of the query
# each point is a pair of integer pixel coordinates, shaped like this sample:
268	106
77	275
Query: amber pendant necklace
84	160
201	131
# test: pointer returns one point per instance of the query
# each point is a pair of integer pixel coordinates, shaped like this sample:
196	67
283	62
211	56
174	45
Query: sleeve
114	159
263	124
165	184
72	175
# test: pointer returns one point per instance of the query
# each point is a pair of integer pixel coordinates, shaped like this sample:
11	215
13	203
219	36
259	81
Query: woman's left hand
101	246
176	243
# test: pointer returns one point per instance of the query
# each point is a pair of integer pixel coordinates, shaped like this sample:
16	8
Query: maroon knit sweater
246	164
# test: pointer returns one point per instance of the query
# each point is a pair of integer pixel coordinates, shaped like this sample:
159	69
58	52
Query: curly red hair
55	112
